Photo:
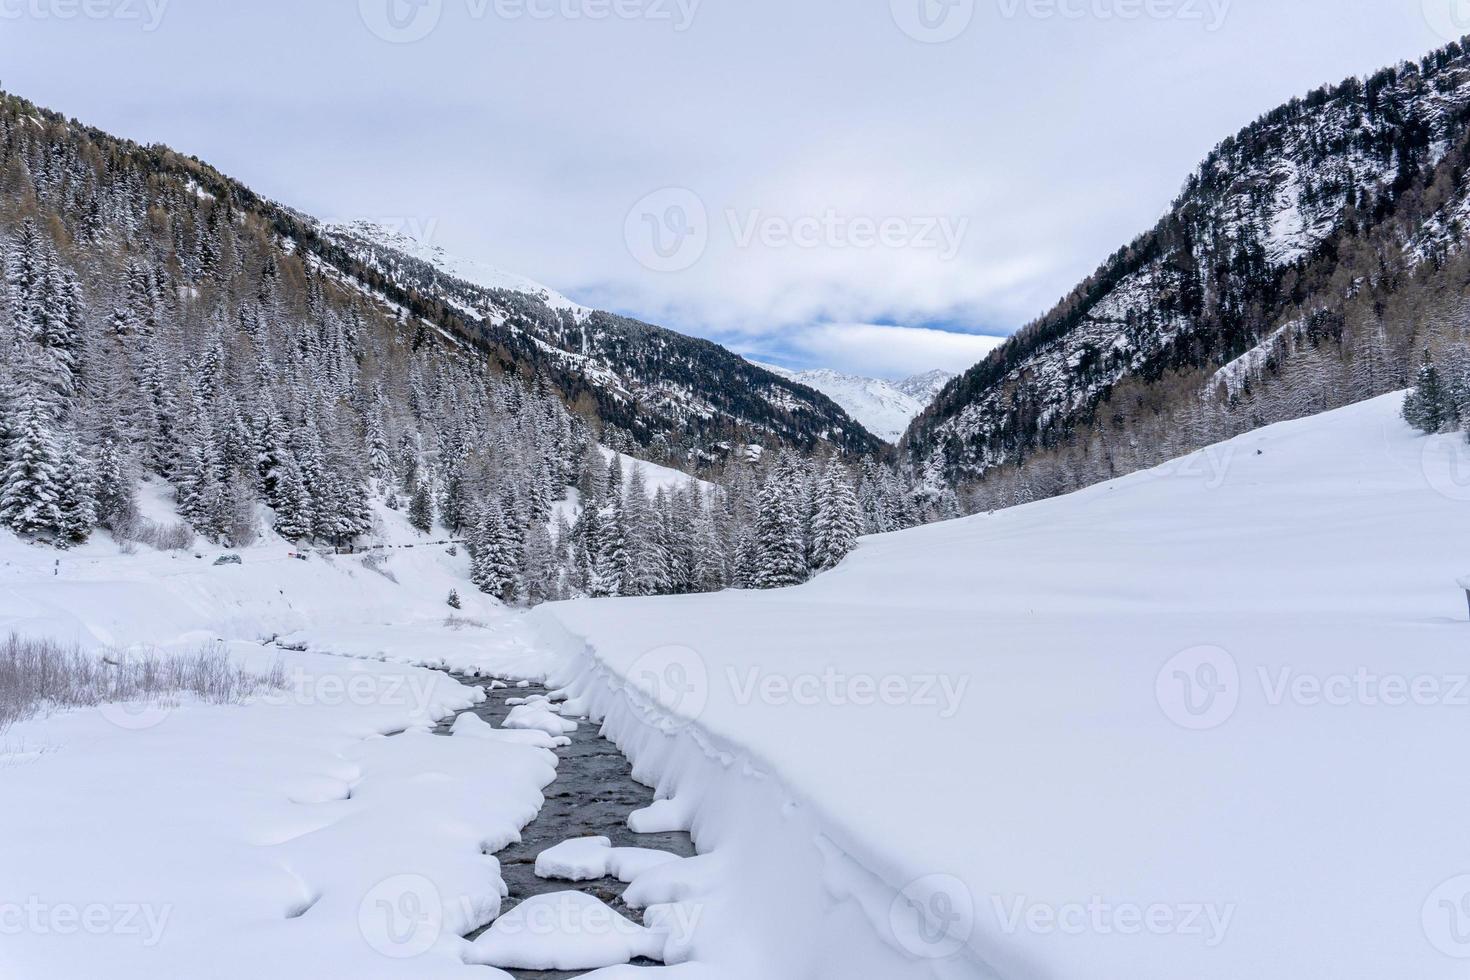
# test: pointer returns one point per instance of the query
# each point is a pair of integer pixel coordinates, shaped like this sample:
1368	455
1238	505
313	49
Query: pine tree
779	561
77	502
1426	407
837	524
30	494
421	508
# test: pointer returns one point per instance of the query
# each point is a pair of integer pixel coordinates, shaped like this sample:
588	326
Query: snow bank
286	837
315	831
1203	721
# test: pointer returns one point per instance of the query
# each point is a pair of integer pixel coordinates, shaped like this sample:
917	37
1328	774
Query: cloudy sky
881	186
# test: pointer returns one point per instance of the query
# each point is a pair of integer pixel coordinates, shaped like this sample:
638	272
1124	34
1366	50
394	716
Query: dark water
593	794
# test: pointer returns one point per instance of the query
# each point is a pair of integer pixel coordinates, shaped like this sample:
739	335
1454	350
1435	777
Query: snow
565	931
590	858
468	270
286	837
315	830
884	408
1168	726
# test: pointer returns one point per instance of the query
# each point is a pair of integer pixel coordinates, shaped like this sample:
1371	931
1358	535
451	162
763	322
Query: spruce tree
1426	408
30	494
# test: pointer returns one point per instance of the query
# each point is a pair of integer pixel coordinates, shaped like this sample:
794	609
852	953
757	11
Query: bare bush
463	622
38	676
377	561
163	537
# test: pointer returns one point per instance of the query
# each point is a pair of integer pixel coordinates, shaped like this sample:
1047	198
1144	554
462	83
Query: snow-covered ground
1204	721
282	837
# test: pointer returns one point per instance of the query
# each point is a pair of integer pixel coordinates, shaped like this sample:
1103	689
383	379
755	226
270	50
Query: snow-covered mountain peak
884	408
469	270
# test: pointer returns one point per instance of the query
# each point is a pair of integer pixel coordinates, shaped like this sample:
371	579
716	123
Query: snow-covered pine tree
779	559
30	494
421	508
837	523
1426	407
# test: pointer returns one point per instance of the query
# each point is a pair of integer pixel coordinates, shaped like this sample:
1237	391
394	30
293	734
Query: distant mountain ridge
884	408
680	397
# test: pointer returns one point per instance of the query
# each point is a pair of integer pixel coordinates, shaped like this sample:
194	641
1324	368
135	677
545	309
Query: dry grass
40	676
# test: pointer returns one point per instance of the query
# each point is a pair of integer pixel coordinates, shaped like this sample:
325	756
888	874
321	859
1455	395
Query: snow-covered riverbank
1140	732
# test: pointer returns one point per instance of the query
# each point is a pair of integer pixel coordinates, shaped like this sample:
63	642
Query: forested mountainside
161	321
682	397
1306	265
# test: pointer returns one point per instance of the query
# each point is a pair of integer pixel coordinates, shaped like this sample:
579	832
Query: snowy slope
286	836
884	408
1203	721
468	270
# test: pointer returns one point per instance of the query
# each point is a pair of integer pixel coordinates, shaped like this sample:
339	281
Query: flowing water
593	794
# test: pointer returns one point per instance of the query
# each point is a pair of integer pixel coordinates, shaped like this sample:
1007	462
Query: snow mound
564	931
591	858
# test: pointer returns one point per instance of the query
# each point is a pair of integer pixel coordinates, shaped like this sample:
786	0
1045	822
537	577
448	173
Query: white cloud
874	350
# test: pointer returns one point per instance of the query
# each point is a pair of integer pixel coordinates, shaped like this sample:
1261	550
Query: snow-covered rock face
884	408
476	273
1211	281
652	382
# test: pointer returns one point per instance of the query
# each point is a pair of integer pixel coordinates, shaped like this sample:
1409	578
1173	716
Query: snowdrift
1203	721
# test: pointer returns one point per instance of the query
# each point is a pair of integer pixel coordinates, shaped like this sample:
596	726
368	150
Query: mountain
1305	264
682	399
884	408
